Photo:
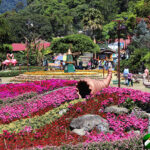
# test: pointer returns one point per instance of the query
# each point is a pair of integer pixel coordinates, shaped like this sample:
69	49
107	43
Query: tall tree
141	36
19	6
4	31
93	20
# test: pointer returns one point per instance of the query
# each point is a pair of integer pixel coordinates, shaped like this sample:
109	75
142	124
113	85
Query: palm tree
92	20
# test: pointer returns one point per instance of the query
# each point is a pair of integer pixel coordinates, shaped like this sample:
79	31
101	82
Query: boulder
117	110
89	122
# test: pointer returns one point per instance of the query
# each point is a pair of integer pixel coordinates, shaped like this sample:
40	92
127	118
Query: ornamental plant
56	132
12	90
54	99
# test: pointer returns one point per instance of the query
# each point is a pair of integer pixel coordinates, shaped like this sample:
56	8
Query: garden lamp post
119	28
29	25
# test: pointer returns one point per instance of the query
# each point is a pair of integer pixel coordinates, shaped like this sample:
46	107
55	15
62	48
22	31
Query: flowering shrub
56	132
16	111
18	98
11	90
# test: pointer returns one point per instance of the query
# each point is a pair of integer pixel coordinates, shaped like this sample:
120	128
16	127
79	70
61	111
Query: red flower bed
57	133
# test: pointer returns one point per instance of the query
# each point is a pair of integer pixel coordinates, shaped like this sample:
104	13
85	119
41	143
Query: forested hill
57	18
7	5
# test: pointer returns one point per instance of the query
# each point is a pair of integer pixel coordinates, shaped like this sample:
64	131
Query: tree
4	31
92	20
19	6
20	28
135	61
80	43
29	2
142	8
141	36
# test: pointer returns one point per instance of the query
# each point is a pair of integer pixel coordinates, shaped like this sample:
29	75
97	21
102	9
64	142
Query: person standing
125	75
100	64
106	64
146	71
109	65
89	65
130	78
80	64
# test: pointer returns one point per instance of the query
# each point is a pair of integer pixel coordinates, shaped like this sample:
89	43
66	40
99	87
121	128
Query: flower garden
31	114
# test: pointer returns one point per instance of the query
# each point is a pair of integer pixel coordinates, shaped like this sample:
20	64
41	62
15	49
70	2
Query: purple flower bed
54	99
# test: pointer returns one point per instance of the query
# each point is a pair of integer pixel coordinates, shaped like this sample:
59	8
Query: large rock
117	110
88	122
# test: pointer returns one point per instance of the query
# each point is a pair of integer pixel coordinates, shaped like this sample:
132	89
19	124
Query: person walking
130	78
80	64
146	71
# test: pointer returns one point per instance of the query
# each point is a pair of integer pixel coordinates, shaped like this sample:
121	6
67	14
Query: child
130	78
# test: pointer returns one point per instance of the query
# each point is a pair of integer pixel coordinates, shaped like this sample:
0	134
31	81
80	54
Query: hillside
7	5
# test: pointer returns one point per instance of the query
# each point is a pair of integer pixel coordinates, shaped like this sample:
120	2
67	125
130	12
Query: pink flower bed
120	126
54	99
124	93
11	90
54	134
122	123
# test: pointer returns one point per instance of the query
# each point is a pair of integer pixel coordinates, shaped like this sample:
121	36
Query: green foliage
134	63
146	59
129	104
142	8
141	36
92	20
4	49
80	43
4	31
52	18
10	73
41	27
29	2
108	31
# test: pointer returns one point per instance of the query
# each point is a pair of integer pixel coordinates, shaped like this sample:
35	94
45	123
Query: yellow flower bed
61	72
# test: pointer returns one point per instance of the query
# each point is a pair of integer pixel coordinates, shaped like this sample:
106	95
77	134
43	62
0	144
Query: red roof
22	47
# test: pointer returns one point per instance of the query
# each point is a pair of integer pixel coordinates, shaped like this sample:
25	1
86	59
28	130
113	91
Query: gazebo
105	53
